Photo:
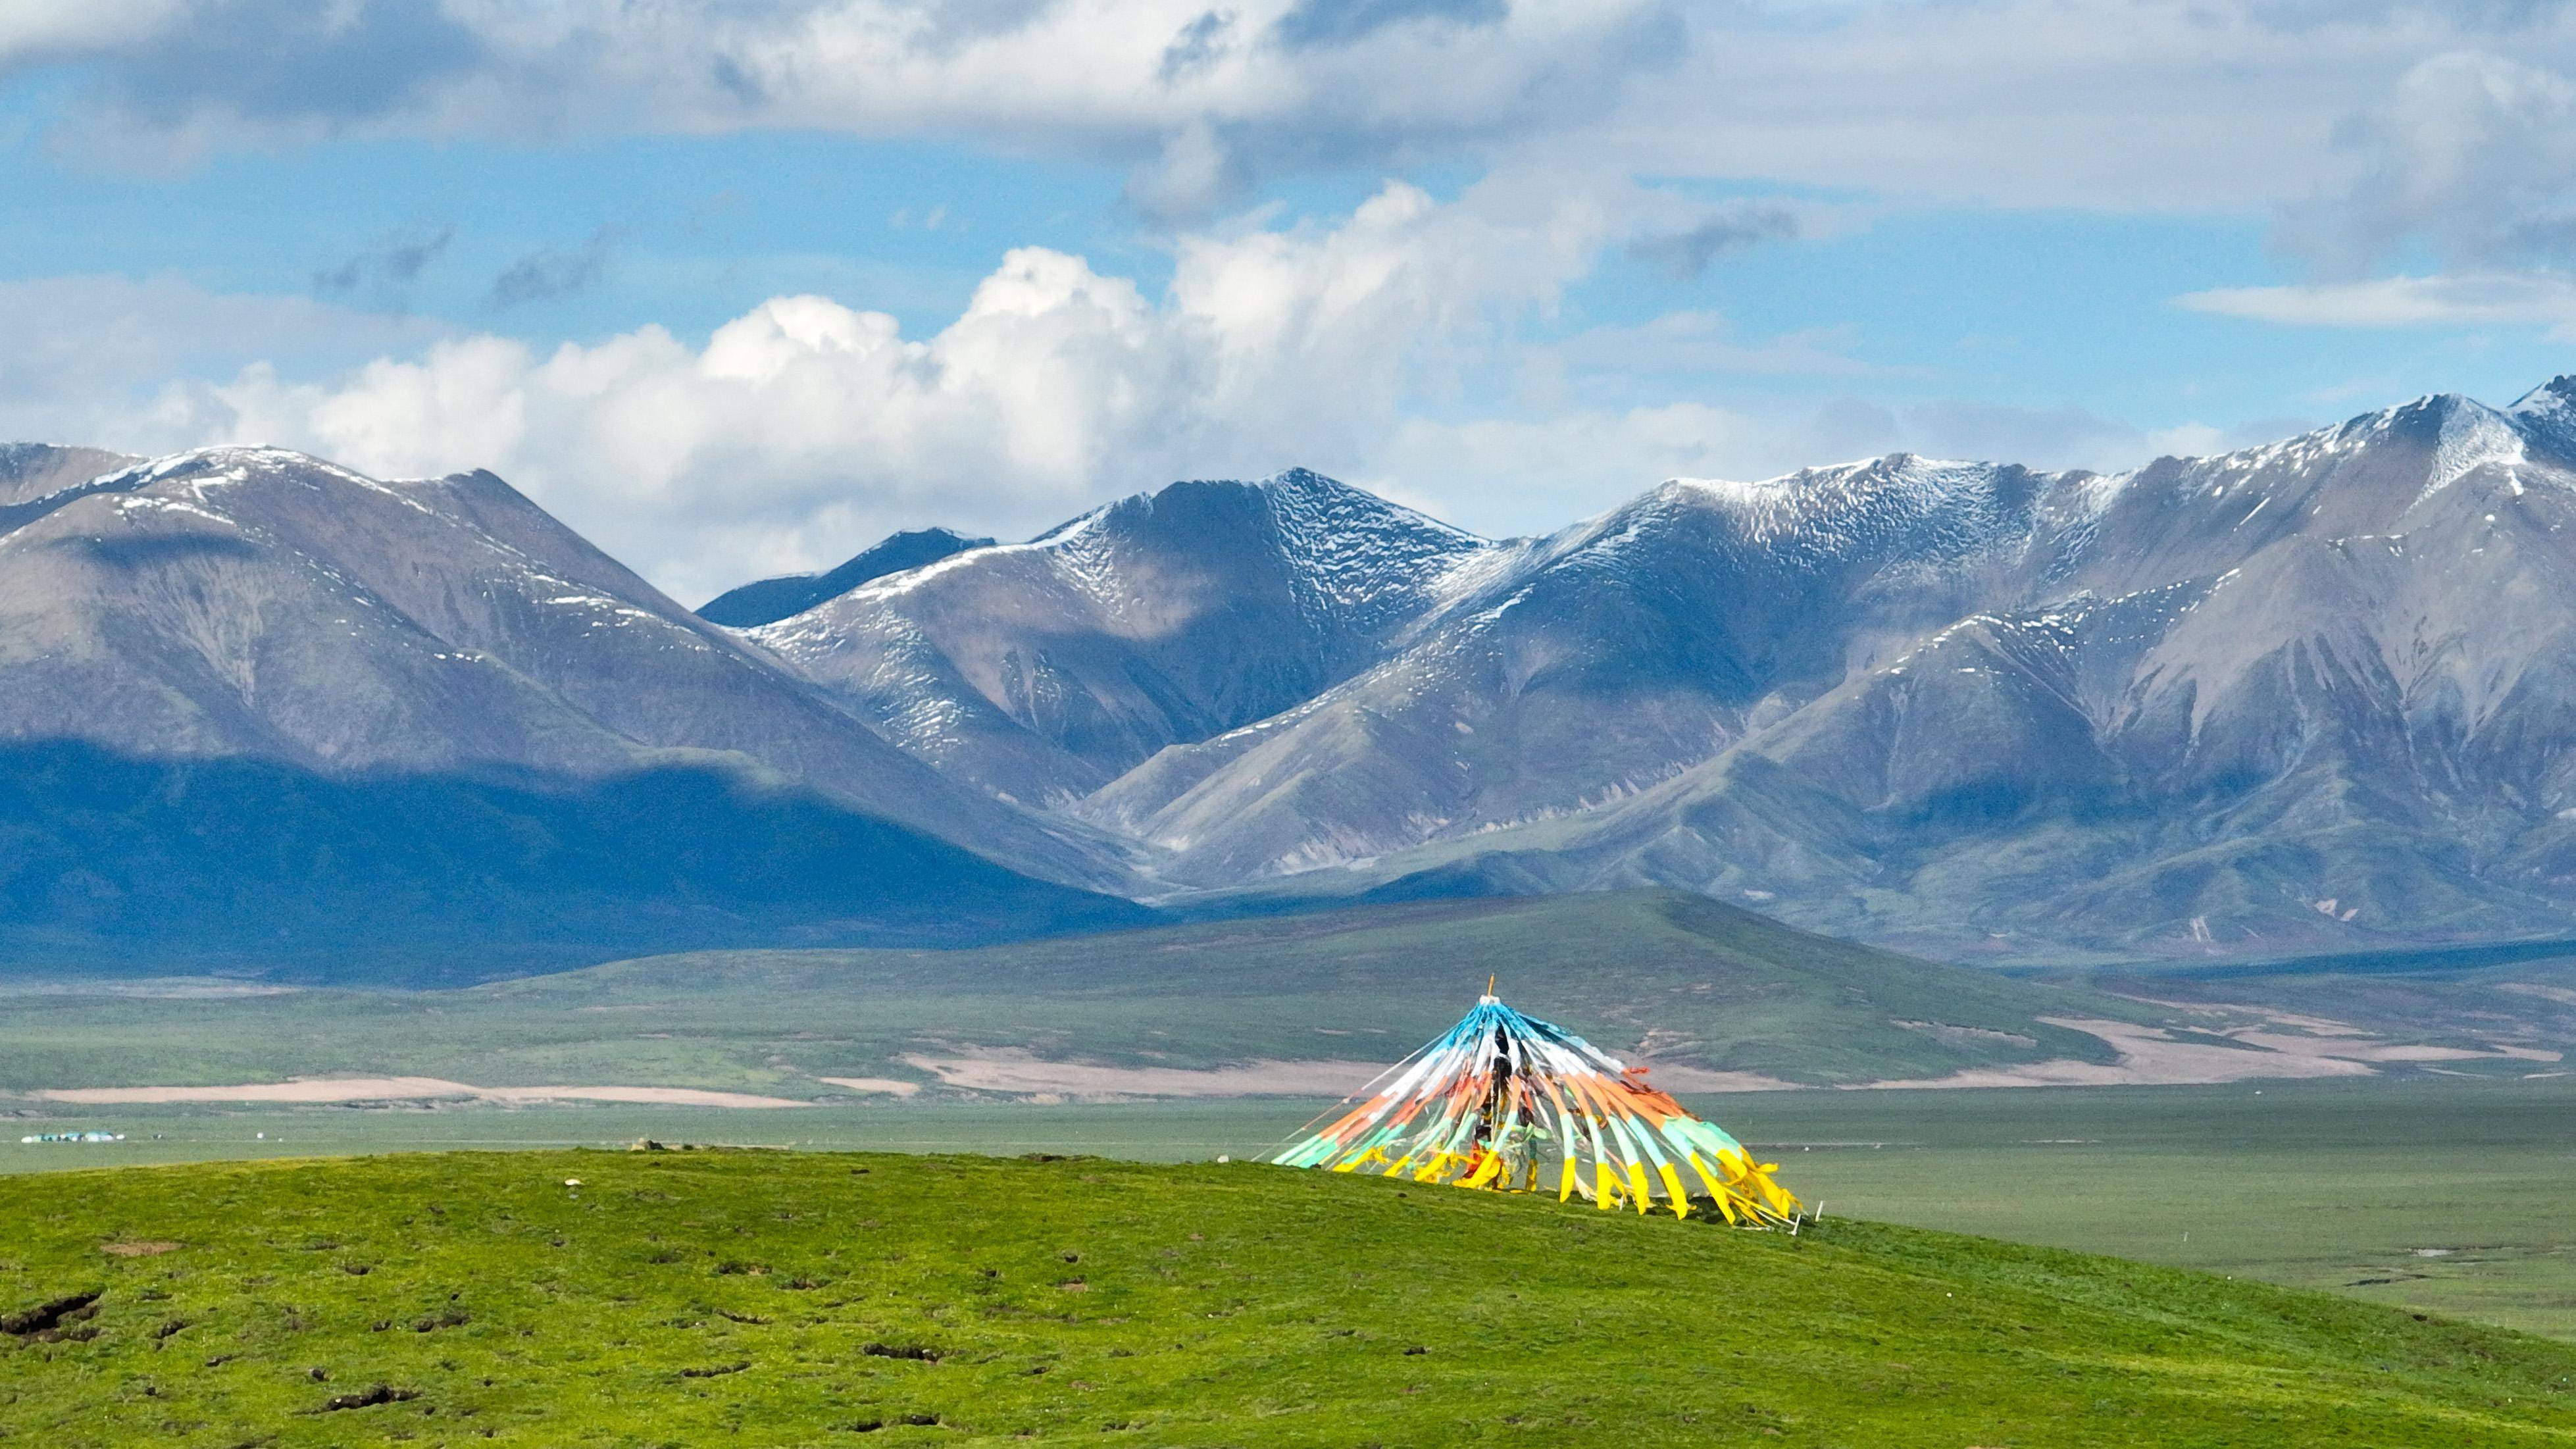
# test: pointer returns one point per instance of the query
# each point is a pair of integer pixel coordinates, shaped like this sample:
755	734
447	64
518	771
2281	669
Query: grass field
1699	983
806	1298
2420	1192
2333	1185
2443	1194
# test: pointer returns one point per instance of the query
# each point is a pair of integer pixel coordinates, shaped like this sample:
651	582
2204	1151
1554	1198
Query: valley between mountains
2305	698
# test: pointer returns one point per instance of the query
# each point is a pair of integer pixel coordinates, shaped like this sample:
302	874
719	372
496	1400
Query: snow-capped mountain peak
2547	415
1163	617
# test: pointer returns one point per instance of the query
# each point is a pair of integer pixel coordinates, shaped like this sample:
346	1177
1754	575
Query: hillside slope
1702	993
769	1298
1705	996
29	471
252	702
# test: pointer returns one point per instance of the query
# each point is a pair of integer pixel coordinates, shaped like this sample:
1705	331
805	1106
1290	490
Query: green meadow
2436	1194
2381	1260
810	1298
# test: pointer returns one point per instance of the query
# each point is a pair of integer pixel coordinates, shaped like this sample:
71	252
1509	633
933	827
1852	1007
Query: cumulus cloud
1369	345
1366	345
1197	171
806	427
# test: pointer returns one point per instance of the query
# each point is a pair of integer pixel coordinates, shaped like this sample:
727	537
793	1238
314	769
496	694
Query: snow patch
2472	437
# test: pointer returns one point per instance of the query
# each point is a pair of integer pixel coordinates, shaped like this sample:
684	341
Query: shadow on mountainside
110	863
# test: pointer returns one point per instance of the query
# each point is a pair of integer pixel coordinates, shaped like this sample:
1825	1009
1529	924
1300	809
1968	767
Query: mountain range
254	705
2308	696
2302	697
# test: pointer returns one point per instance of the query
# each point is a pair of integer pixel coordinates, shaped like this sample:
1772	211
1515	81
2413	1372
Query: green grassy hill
810	1299
1677	978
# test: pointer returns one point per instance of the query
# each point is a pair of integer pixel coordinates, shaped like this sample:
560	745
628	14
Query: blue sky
739	288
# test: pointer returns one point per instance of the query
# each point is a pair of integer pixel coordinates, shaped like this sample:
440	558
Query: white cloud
2470	152
1535	472
805	428
39	30
2505	299
2115	104
1199	106
92	357
1368	346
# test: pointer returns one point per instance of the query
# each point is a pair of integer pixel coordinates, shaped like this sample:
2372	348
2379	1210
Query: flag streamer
1509	1103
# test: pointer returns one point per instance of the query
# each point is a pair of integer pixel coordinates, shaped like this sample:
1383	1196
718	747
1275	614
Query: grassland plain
809	1298
2436	1194
1686	981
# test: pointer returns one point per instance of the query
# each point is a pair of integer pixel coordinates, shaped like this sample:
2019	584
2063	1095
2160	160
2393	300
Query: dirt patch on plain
651	1096
325	1090
298	1090
2155	1056
1683	1077
1021	1073
890	1086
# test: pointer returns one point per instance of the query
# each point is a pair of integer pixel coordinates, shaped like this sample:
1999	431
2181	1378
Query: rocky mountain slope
2304	696
1042	671
29	471
766	601
2312	694
253	701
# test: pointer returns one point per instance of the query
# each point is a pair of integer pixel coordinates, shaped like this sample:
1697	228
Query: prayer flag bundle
1509	1103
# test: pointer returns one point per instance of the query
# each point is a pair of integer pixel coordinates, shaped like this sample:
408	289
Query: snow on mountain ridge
1341	538
2552	399
2472	436
2547	416
207	484
1903	510
1358	562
